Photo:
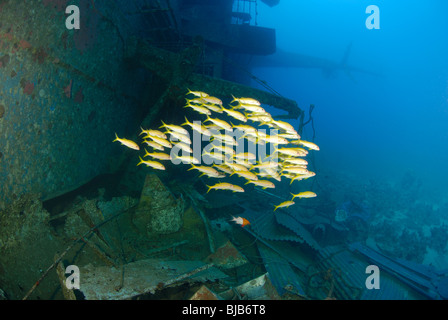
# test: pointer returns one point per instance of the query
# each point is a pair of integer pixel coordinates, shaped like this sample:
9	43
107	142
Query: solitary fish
241	221
127	143
305	194
225	186
284	204
153	164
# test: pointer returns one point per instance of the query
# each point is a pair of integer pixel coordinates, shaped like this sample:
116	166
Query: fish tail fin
143	131
209	188
186	122
163	124
116	137
234	99
275	207
192	167
292	180
141	161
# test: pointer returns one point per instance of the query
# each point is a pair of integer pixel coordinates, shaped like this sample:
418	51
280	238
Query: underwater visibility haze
223	150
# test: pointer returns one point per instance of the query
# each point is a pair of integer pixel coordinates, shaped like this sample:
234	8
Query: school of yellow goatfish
286	159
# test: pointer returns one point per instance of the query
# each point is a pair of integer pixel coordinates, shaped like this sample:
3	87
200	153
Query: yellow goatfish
205	170
309	145
188	159
225	186
183	146
305	194
154	144
154	133
127	143
262	183
153	164
220	123
235	114
173	127
161	141
197	93
179	136
246	174
197	126
250	101
157	155
284	204
212	100
199	109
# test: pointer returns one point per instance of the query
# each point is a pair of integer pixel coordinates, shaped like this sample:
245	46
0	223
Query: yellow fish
305	194
197	93
226	186
297	161
199	109
303	176
284	125
235	114
157	155
212	100
284	204
173	127
309	145
161	141
127	143
225	138
179	136
245	156
183	146
215	155
246	174
205	170
249	101
296	169
154	133
220	123
245	128
154	144
188	159
264	184
224	168
197	127
153	164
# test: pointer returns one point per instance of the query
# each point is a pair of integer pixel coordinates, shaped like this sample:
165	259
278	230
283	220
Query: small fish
295	169
262	165
305	194
197	93
215	155
225	186
251	108
198	127
224	168
235	114
153	164
154	144
226	149
245	156
284	125
180	137
284	204
188	159
246	174
241	221
249	101
289	152
183	146
157	155
204	169
220	123
127	143
303	176
154	133
198	108
275	139
309	145
296	161
161	141
245	128
212	100
236	166
173	127
264	184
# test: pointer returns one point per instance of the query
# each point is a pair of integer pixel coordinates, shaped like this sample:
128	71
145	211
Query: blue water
370	126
